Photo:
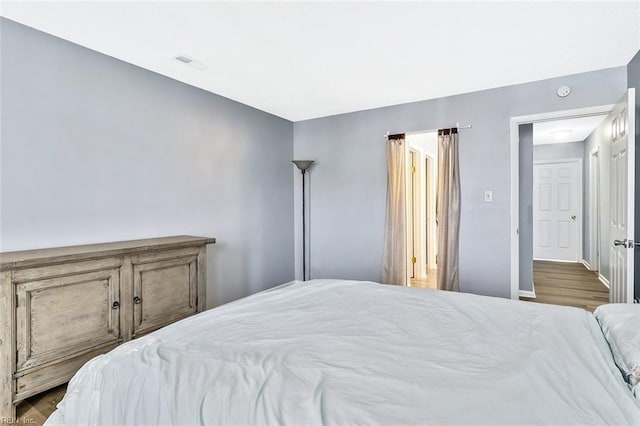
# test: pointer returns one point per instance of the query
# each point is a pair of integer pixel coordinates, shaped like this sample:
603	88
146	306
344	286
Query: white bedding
620	323
347	352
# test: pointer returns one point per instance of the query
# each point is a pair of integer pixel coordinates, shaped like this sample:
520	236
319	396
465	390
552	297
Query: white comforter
346	352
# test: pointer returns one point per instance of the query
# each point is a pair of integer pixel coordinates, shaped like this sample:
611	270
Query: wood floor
35	410
568	284
430	282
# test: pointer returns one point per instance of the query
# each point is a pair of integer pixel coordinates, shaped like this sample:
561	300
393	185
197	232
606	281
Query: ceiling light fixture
562	133
193	63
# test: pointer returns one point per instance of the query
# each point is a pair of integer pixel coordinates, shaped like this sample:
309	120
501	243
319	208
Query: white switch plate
488	196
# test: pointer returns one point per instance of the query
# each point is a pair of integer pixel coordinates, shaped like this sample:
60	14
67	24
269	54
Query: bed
352	352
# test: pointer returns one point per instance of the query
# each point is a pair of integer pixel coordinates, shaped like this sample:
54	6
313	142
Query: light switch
488	196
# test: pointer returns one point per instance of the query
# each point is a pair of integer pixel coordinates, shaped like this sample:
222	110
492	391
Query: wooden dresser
62	306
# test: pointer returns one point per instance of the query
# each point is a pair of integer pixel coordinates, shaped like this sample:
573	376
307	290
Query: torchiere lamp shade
303	164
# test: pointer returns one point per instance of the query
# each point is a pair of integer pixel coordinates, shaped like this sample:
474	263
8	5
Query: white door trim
527	293
594	209
514	122
604	281
431	177
411	204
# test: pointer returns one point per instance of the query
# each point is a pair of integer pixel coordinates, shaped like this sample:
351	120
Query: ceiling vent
193	63
185	59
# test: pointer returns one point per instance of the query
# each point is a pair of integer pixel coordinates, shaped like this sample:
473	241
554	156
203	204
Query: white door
622	175
557	205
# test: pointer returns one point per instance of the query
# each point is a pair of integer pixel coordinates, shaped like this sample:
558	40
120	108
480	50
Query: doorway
606	231
422	176
518	211
555	271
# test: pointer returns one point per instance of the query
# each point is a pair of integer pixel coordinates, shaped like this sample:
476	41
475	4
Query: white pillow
620	323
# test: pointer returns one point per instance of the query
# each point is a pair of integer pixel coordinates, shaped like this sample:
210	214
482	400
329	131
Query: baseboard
528	294
586	264
556	260
603	280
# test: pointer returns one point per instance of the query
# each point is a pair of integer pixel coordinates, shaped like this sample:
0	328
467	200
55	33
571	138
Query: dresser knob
137	300
115	305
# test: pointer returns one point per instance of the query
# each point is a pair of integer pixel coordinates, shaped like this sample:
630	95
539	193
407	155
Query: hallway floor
430	282
568	284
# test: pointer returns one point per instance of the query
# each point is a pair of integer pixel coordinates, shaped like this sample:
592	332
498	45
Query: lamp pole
304	231
303	165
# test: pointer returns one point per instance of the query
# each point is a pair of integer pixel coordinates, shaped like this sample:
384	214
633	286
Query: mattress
350	352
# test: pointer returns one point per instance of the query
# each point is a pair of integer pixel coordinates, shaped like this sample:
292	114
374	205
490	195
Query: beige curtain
448	209
394	262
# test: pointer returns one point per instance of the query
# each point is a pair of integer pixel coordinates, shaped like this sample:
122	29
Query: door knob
573	217
618	243
115	305
137	300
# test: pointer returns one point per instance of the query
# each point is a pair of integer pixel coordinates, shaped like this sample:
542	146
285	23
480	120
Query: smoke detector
563	91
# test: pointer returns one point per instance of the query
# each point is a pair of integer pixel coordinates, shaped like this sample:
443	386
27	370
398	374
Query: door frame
579	220
514	145
431	190
594	210
413	201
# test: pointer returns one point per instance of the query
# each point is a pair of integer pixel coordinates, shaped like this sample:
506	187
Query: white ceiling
301	60
570	130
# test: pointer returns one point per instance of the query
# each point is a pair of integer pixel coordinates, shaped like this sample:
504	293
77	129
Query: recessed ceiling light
562	133
194	63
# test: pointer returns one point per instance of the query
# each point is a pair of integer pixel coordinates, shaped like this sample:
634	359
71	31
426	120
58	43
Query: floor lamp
303	165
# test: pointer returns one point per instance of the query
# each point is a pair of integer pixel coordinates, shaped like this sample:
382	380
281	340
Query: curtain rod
397	136
457	126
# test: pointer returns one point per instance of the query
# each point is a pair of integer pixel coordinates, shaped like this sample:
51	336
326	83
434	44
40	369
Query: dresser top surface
16	258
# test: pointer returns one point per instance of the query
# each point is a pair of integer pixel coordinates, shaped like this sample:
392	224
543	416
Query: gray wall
525	192
95	149
349	182
558	151
633	80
